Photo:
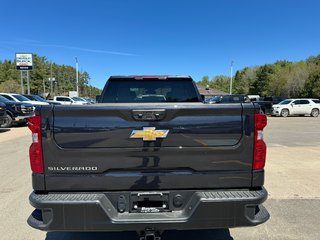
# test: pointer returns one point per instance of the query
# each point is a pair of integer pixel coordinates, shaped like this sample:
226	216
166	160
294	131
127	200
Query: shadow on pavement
4	130
217	234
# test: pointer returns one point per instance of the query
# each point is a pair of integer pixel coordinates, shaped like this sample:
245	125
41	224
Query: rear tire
284	113
315	112
8	122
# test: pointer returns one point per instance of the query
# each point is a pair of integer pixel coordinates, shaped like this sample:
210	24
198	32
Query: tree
312	85
204	81
261	84
10	86
65	78
244	79
282	78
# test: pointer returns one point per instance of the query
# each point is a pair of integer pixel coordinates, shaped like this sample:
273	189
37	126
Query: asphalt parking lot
292	179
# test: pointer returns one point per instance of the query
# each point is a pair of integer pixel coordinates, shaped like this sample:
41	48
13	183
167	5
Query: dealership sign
24	61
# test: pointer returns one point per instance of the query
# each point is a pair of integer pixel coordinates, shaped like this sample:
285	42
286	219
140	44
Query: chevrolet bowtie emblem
149	134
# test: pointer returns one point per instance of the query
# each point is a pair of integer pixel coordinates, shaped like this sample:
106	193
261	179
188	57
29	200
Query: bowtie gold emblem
149	134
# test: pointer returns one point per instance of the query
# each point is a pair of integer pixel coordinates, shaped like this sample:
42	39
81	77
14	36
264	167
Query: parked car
90	100
273	99
34	97
212	100
148	164
17	112
3	113
53	102
65	100
80	99
254	97
266	106
20	98
234	98
38	98
266	103
302	106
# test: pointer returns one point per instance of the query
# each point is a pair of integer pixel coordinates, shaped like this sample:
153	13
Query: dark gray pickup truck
151	156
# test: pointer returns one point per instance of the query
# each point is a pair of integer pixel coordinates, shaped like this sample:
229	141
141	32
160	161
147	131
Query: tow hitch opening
149	234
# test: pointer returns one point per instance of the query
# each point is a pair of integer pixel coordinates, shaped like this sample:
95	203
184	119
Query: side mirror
203	97
98	98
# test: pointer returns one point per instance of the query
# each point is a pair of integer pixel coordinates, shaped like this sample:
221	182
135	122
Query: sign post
22	87
24	62
28	83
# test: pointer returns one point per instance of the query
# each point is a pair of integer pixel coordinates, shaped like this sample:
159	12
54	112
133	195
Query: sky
150	37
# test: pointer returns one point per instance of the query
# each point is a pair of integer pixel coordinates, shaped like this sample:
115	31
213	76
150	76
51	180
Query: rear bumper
275	112
98	211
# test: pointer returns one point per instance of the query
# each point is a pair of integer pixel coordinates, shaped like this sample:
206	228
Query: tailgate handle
149	194
148	115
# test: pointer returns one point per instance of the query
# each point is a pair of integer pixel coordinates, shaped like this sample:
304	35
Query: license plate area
149	202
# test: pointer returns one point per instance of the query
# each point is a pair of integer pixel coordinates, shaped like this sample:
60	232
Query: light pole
77	75
51	82
231	69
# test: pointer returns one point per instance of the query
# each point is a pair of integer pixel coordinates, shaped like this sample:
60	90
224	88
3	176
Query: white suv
64	100
302	106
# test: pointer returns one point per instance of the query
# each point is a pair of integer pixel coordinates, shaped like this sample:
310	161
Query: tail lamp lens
35	150
260	148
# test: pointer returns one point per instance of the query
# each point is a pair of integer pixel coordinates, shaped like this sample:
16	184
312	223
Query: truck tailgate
90	147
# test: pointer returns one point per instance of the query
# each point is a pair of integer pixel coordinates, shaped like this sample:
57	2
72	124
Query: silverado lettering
72	168
149	157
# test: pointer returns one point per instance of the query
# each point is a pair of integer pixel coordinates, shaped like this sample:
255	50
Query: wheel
284	113
315	112
8	122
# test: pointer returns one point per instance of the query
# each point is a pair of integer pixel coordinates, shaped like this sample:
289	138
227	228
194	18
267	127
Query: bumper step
98	212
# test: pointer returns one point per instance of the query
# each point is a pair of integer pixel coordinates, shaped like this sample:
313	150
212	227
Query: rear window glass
3	99
21	98
316	100
62	99
285	102
8	97
232	99
29	97
132	91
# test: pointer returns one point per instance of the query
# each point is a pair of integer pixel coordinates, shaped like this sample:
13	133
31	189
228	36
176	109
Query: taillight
35	150
260	148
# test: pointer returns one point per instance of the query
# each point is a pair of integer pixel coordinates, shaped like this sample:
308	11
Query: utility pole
231	69
77	75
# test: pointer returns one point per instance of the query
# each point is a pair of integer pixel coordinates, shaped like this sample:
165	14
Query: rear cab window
129	90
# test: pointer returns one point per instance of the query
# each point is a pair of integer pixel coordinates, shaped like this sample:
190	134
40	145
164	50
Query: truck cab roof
148	77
